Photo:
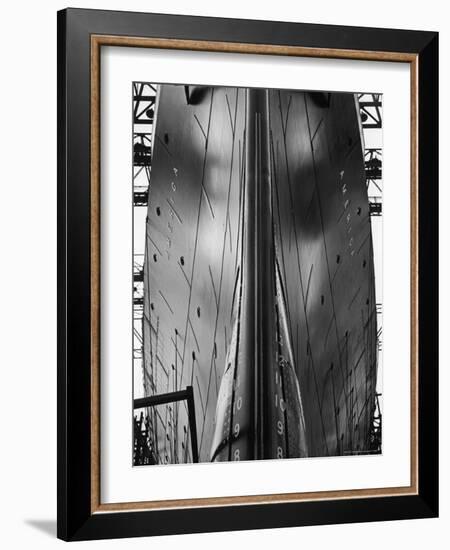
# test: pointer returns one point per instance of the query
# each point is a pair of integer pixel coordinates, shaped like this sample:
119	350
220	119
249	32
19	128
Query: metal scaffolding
370	110
144	100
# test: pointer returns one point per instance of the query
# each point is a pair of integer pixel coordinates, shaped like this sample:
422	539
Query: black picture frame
76	519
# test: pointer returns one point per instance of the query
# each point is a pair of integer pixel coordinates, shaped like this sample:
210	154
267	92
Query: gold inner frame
97	41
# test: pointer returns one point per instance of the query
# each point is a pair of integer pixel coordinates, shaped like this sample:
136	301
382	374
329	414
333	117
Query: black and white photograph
257	273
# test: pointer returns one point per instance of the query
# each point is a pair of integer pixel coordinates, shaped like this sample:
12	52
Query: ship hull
259	288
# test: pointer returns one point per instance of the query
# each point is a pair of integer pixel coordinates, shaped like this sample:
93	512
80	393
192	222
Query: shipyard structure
259	318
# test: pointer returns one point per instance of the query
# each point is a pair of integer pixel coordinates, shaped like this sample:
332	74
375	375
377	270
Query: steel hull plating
258	275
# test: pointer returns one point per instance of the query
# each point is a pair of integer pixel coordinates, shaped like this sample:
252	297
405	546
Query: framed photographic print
247	253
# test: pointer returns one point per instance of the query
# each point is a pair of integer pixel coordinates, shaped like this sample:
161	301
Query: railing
144	450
